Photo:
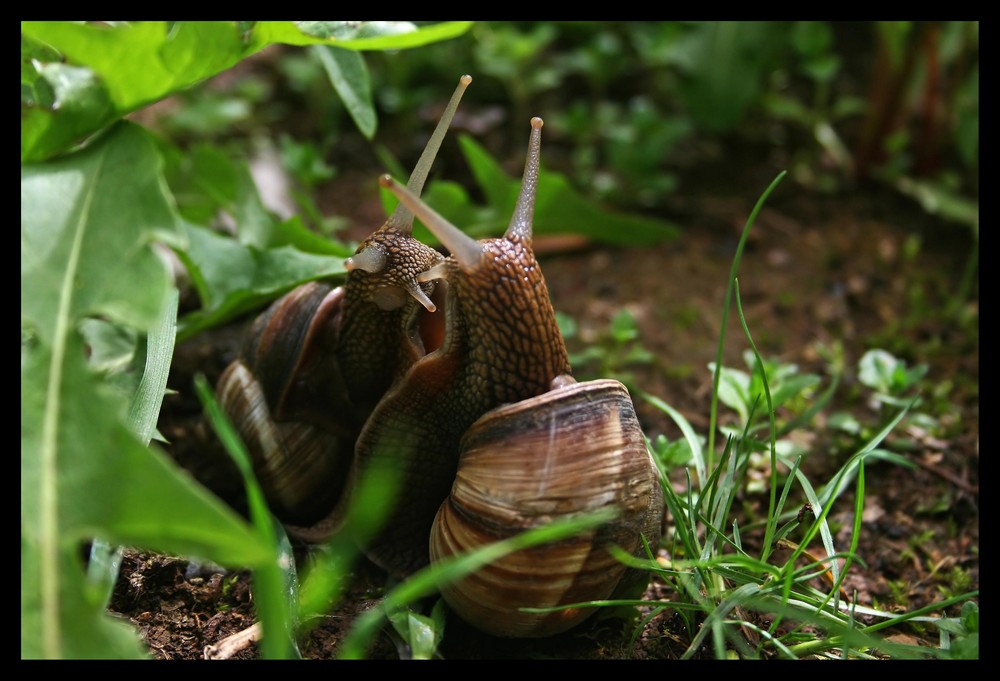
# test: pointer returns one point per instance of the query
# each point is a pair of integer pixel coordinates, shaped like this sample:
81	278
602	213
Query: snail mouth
431	325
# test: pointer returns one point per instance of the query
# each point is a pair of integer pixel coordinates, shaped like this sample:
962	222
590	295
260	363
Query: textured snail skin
501	345
376	341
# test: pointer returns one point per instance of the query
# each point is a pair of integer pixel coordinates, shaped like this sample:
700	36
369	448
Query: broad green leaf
232	279
208	180
144	61
734	387
111	346
349	76
83	474
131	65
78	106
792	386
86	224
623	326
499	188
79	628
877	369
418	631
726	62
356	35
292	232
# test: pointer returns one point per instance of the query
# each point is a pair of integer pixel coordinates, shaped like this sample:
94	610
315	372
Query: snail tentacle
402	218
467	251
524	210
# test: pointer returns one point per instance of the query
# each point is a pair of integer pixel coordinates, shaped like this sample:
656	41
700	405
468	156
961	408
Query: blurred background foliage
628	105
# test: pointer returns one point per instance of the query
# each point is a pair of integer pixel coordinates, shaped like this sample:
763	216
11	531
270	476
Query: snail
294	407
482	417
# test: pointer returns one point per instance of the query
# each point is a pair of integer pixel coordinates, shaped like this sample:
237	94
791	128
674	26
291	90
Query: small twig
231	645
951	477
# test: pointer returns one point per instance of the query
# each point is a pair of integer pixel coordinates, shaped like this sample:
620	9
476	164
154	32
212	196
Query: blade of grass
772	516
714	409
274	584
689	435
105	560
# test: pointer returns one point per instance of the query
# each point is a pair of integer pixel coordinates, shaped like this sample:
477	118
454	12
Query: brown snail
314	365
492	434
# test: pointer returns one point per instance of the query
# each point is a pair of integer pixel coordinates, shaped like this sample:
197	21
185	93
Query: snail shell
280	395
562	454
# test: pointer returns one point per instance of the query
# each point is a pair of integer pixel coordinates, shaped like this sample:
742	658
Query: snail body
488	429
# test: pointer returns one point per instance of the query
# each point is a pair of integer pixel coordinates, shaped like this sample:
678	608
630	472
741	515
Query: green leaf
418	631
726	65
812	38
131	65
208	180
144	61
559	209
84	474
787	388
111	346
623	327
937	199
80	627
734	387
79	104
292	232
357	35
144	410
86	224
232	279
349	76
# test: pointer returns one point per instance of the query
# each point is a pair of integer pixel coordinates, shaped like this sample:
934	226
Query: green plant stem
817	645
772	516
714	412
49	501
272	603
